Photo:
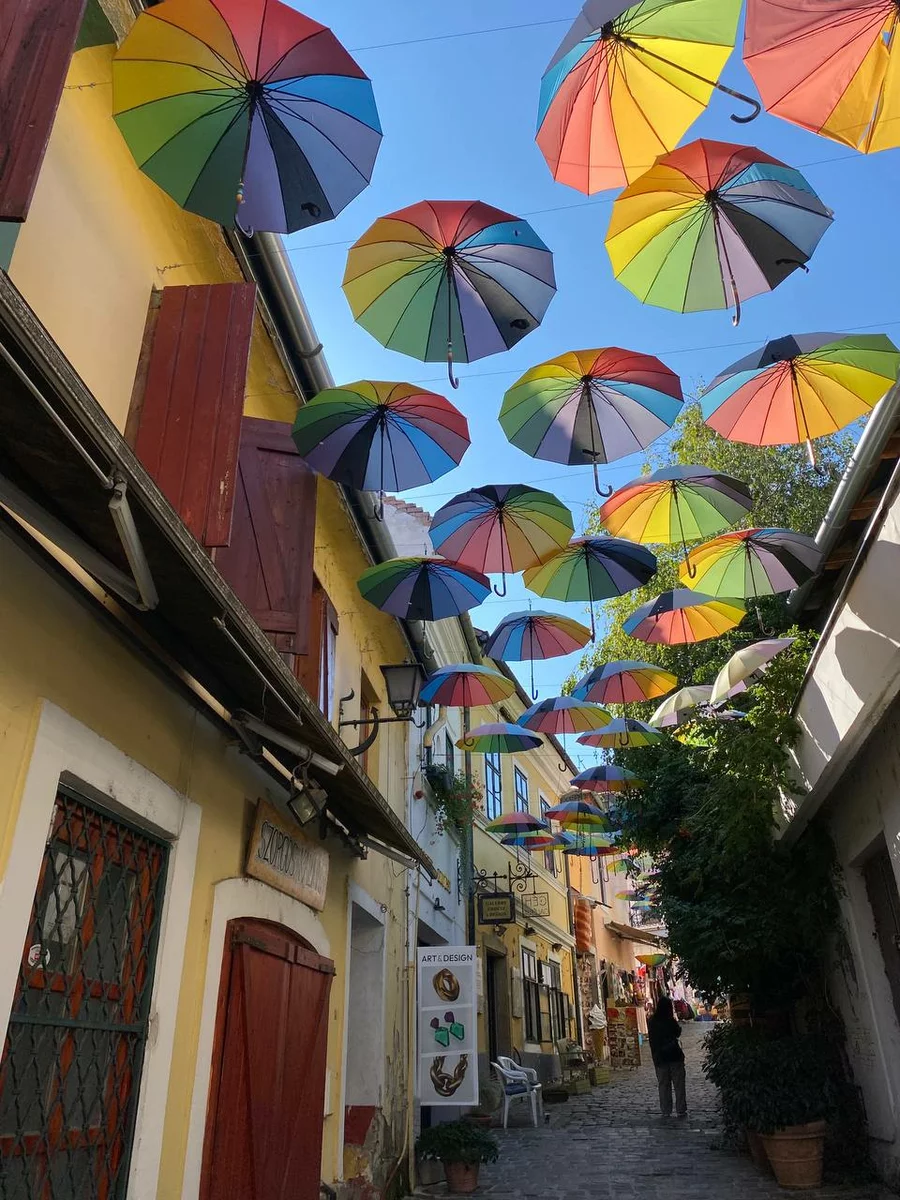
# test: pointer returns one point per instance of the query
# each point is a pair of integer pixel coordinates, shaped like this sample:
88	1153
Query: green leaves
458	1142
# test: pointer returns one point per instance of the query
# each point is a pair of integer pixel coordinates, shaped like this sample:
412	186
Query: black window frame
531	994
549	855
493	785
556	1002
521	794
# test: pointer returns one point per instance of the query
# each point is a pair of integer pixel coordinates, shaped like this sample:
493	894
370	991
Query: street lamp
403	682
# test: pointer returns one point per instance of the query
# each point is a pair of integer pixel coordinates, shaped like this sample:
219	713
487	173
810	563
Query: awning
197	620
630	934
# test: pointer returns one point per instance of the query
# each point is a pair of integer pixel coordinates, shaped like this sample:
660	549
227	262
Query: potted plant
490	1097
461	1146
456	798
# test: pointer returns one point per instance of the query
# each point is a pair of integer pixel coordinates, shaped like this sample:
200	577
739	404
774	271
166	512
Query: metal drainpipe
469	873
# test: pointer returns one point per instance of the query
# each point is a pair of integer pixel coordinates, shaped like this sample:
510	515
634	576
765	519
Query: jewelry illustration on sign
444	1083
452	1028
446	985
447	1025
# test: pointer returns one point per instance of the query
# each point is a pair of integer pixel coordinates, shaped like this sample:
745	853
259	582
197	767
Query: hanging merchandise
423	588
527	636
499	737
801	387
745	667
683	617
626	84
833	68
591	569
452	280
465	685
380	437
501	528
561	714
681	707
246	112
711	225
591	406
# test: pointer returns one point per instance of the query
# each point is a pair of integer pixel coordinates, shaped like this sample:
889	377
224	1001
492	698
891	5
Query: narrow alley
616	1145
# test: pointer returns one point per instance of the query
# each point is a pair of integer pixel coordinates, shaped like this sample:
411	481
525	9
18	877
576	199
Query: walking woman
668	1057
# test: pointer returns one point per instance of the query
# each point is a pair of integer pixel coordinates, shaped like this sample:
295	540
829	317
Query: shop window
556	1001
493	786
71	1067
549	855
521	789
532	996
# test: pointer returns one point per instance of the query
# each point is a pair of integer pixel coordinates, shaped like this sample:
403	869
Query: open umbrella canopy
746	666
712	224
681	707
832	68
578	812
562	714
517	823
449	279
499	737
538	841
683	617
423	588
651	960
376	436
625	681
751	563
535	635
591	406
501	527
626	84
465	685
800	387
591	568
247	107
607	778
622	731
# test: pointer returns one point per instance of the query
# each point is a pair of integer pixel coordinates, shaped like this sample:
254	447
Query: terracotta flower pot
462	1178
796	1154
758	1152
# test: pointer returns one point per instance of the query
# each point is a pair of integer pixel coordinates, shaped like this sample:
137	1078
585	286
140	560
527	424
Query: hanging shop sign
496	908
623	1037
448	1025
536	904
281	856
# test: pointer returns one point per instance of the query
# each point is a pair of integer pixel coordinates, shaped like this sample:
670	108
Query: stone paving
613	1145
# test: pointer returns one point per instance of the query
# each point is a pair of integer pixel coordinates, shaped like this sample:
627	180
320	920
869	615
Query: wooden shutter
308	668
186	416
269	561
37	39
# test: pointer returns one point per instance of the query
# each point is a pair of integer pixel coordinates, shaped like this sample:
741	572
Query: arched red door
267	1086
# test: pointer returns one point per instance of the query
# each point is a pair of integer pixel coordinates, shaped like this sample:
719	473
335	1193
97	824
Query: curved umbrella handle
601	491
497	591
764	630
754	104
378	510
791	262
454	382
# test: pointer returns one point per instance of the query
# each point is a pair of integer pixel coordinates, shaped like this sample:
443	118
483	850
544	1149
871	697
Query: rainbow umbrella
499	737
626	84
680	708
423	589
465	685
832	68
452	279
527	636
746	666
624	682
501	527
607	778
591	568
247	105
591	406
651	960
801	387
712	224
682	616
578	811
623	731
562	714
376	436
538	841
516	823
677	504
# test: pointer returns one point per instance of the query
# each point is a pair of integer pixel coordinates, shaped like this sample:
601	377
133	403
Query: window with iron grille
521	789
493	786
71	1066
532	995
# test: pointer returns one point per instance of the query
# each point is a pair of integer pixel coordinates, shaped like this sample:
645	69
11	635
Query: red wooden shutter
267	1097
189	419
37	40
269	561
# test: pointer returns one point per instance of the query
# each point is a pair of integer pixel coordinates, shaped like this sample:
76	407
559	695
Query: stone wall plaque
283	857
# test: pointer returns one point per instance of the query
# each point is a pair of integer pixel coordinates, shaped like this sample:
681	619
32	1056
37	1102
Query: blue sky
458	115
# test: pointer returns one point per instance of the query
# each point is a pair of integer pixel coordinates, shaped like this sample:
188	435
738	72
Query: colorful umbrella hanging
592	568
746	666
683	617
466	685
625	86
607	778
501	528
580	812
527	636
376	436
711	225
449	279
832	68
246	105
801	387
623	731
624	682
651	960
498	737
423	589
591	407
516	823
562	714
677	504
680	708
538	841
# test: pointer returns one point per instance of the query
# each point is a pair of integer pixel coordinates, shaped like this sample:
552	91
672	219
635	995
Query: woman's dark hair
664	1010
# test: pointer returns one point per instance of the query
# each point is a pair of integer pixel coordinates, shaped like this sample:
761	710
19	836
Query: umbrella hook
605	492
378	510
691	569
720	87
534	694
498	591
454	382
594	452
451	291
562	767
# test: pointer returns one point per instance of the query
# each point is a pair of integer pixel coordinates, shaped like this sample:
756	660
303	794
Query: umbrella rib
422	267
237	116
233	81
215	6
274	110
193	36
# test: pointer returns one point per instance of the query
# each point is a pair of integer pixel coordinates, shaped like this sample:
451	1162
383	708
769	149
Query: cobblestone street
613	1145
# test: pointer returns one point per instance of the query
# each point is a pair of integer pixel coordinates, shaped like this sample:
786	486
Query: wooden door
267	1088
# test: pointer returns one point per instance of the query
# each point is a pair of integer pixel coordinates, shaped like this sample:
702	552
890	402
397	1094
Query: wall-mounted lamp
529	930
403	682
307	799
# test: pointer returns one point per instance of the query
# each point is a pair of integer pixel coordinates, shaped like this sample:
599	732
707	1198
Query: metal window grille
493	786
71	1065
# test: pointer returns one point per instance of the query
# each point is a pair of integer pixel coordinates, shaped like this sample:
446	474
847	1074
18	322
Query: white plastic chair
519	1083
